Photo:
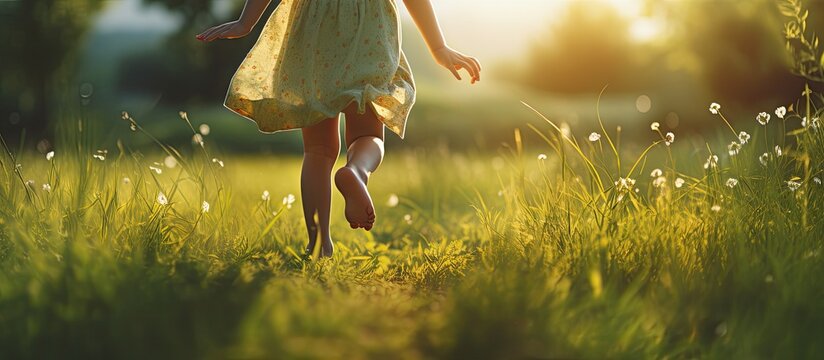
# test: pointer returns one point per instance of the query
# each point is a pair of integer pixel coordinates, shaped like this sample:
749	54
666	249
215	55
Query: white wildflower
541	156
624	184
594	137
393	200
50	155
183	115
407	218
565	130
217	161
763	118
100	155
265	196
743	137
793	185
780	112
732	182
817	180
127	181
204	208
46	187
654	126
659	182
170	162
764	158
733	148
712	162
656	173
669	138
30	183
156	169
161	199
288	200
679	182
197	139
804	122
778	151
714	108
716	208
204	129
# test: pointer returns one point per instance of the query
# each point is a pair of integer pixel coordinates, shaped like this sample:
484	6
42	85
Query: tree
40	41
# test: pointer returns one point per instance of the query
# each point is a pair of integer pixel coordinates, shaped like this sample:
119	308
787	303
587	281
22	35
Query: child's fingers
206	34
216	34
469	67
454	69
472	68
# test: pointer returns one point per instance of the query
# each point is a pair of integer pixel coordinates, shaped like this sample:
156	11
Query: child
317	58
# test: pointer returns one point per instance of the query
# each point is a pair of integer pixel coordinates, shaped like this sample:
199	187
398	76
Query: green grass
484	256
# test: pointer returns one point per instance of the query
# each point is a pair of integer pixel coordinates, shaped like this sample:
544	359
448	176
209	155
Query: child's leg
321	147
364	152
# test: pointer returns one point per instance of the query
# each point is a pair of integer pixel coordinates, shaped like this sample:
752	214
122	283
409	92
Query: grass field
550	252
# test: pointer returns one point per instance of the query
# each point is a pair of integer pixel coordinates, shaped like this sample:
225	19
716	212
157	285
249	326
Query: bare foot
313	238
359	209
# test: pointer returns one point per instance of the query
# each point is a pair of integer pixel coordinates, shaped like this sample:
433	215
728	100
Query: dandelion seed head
541	156
265	196
161	199
654	126
763	118
679	182
781	112
204	208
50	155
392	201
204	129
288	200
170	162
743	137
732	182
46	187
656	173
715	108
778	151
594	137
183	115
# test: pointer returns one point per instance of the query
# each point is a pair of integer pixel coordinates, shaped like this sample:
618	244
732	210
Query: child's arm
424	17
240	27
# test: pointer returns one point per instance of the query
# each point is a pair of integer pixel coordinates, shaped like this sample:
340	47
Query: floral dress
315	57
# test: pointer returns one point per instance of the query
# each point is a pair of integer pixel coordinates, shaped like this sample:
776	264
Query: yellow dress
315	57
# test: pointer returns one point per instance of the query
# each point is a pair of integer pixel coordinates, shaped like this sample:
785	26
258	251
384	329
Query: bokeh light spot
643	104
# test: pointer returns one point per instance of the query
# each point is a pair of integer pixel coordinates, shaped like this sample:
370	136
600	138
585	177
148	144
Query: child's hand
229	30
454	61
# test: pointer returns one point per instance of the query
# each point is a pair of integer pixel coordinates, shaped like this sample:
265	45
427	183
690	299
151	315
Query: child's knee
328	151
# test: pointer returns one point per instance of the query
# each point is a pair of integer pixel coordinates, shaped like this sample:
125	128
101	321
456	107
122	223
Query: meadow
579	248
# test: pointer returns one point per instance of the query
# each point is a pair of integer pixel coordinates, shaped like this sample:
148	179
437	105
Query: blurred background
663	60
